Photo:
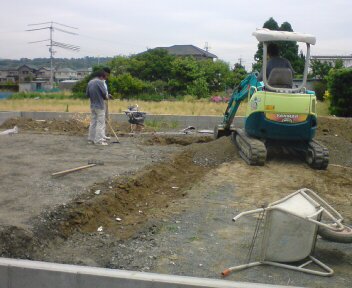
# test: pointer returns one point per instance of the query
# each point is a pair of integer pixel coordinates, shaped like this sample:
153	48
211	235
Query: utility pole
240	60
206	46
52	26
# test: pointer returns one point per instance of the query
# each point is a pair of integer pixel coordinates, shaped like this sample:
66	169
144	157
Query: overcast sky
124	27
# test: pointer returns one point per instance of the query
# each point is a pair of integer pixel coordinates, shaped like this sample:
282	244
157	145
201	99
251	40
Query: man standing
97	93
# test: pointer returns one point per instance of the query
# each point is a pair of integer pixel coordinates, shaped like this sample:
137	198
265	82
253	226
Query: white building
346	60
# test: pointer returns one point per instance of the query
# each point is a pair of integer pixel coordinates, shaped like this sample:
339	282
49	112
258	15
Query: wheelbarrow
135	118
290	232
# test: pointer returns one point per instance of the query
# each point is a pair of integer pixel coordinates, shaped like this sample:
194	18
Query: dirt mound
77	126
124	204
70	127
337	127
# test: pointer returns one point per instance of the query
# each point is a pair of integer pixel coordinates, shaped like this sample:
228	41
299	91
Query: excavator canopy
266	35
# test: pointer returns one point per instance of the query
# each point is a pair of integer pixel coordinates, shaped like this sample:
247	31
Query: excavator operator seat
281	78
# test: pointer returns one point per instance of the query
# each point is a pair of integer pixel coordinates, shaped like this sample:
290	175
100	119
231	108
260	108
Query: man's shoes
102	143
90	142
107	137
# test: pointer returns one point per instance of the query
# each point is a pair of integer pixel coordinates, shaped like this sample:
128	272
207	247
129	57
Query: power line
53	43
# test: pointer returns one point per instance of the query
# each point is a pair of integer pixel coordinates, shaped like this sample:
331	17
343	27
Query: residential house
26	73
8	75
65	74
3	75
188	51
43	73
82	73
12	75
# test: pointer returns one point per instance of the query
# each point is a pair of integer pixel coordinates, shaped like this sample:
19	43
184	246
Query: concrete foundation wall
199	122
32	274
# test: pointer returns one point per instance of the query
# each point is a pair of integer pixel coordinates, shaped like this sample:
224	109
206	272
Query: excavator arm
245	89
247	86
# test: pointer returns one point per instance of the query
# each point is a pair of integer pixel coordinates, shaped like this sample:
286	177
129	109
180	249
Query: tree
155	64
183	72
270	24
199	88
320	69
217	74
288	49
239	73
127	85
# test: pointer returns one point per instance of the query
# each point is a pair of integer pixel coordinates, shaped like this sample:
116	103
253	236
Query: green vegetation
159	125
156	75
320	70
340	90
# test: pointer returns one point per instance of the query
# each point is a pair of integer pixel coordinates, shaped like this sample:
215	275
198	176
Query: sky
125	27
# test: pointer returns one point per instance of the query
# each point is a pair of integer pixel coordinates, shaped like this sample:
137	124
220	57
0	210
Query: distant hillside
73	63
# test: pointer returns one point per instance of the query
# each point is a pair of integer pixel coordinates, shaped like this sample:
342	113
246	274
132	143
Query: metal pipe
247	212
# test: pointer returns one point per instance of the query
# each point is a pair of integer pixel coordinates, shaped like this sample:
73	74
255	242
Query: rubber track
321	155
252	150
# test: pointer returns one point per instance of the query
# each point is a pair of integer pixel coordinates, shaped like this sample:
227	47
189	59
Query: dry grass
115	106
118	106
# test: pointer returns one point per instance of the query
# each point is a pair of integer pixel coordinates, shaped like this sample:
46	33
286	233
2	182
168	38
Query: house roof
187	50
29	66
65	70
45	68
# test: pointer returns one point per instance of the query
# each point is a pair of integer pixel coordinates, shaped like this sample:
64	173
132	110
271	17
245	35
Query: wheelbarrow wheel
343	236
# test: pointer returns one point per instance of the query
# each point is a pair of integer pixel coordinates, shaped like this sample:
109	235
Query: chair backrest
281	78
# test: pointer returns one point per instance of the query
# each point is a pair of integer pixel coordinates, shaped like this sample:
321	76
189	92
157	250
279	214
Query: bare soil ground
168	210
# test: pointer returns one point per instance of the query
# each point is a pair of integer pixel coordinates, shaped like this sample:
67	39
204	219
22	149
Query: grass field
118	106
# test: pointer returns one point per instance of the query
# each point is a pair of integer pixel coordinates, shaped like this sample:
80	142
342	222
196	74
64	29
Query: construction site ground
161	202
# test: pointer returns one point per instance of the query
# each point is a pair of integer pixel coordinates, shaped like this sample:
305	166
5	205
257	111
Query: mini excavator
277	114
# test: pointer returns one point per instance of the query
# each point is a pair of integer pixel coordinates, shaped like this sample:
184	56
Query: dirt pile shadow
182	139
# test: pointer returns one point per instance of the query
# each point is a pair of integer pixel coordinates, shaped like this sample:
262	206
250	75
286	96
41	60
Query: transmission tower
52	27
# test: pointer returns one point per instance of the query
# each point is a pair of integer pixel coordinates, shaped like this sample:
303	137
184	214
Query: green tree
239	73
126	85
288	49
217	74
320	69
270	24
183	72
199	88
152	65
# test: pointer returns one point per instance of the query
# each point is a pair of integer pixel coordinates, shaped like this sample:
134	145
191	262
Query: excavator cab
277	113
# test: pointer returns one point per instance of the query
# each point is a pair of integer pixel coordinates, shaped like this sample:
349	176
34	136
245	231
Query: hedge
340	89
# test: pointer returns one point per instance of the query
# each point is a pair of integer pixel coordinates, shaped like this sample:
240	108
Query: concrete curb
181	121
32	274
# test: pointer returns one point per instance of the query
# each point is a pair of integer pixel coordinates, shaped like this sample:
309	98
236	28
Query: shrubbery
340	91
157	75
319	89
